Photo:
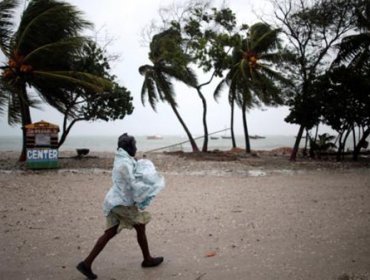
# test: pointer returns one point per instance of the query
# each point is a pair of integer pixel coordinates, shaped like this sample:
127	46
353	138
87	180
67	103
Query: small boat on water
226	137
213	137
154	137
256	137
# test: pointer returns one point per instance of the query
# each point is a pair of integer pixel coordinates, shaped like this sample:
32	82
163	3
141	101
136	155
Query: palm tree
322	144
251	78
40	54
157	85
355	48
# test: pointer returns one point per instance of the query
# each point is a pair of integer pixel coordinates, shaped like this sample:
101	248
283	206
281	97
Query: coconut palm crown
252	78
168	62
40	54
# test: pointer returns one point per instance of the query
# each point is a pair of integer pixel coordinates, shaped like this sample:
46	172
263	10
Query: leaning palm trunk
245	126
293	155
190	137
232	124
205	127
26	119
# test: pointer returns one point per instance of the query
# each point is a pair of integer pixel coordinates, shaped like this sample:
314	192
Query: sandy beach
220	217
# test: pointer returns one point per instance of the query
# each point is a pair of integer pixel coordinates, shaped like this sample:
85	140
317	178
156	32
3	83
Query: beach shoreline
220	216
235	159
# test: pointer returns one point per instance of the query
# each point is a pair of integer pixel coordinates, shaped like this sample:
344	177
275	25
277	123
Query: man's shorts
126	217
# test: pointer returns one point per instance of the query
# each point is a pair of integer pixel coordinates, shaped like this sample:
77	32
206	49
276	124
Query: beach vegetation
312	29
345	105
41	53
208	34
169	63
86	105
323	143
354	49
252	78
339	98
207	37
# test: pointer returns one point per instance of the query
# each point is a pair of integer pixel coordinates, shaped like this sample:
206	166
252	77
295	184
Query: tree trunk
339	151
26	119
317	132
205	127
306	143
342	144
293	155
246	134
361	144
354	138
66	130
232	124
190	137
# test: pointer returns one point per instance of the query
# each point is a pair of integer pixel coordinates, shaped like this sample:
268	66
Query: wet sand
250	218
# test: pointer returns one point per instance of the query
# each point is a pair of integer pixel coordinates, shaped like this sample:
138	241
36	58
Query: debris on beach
211	254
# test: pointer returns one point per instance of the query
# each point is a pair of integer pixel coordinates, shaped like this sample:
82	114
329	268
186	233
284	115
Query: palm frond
265	90
165	88
72	79
54	54
7	8
275	58
56	97
144	68
4	95
63	21
14	110
244	69
351	46
221	85
180	73
273	75
9	103
144	89
266	42
360	60
149	88
262	38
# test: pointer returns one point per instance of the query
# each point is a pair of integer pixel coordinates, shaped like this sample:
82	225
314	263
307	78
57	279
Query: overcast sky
124	21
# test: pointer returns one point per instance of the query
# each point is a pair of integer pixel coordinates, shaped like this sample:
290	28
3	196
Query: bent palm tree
40	54
157	85
251	78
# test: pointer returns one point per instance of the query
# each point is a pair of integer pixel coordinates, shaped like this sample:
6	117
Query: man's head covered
127	143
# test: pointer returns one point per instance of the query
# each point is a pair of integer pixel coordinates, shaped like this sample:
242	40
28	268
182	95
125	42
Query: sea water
104	143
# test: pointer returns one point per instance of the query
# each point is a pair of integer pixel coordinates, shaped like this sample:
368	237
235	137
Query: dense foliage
43	55
87	105
313	29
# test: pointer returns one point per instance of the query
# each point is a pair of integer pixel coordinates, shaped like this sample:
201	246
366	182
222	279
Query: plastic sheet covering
152	181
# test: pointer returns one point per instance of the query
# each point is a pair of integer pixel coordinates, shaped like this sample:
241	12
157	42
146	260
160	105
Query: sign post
42	145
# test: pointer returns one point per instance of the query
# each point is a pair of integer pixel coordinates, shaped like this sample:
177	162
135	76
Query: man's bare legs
100	244
85	266
148	261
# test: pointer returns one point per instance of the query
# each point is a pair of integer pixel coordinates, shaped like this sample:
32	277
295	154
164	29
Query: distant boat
154	137
256	137
226	137
213	137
